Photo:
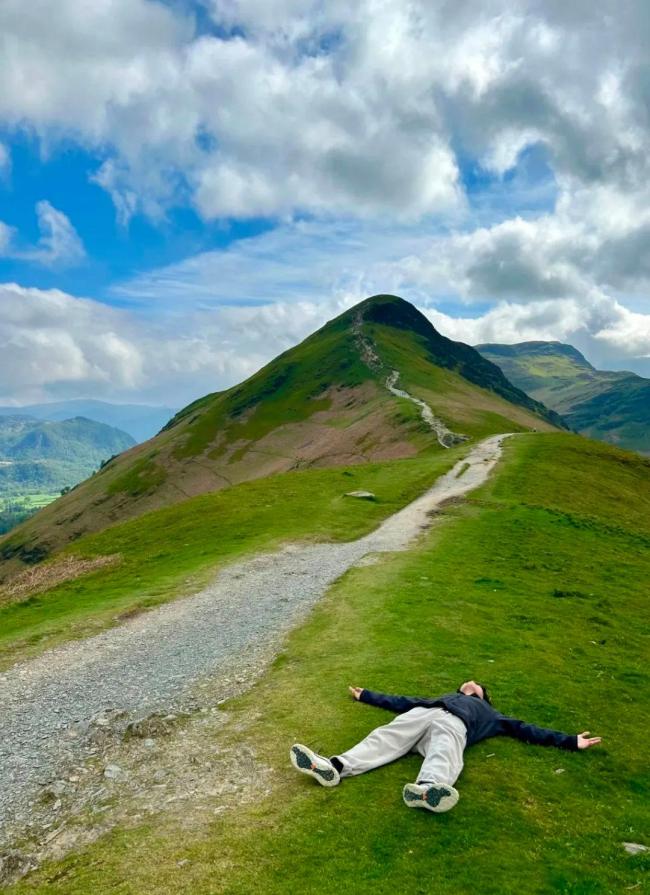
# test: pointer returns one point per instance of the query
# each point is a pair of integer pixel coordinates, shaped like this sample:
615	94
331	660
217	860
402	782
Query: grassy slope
551	371
173	550
462	406
612	406
537	587
271	423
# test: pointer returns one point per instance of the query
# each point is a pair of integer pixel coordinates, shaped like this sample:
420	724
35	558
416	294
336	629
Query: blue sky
63	174
188	188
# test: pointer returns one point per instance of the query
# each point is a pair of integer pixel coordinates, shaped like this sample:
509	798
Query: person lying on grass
439	729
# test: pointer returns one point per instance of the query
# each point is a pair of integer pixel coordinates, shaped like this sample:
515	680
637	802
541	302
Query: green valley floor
535	585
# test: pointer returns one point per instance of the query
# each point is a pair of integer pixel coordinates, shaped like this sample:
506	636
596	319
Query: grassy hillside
173	550
535	586
42	455
611	406
322	403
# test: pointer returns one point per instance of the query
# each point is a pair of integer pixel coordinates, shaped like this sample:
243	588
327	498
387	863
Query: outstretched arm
544	736
384	700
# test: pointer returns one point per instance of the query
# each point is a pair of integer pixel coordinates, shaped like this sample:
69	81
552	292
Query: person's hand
585	741
355	692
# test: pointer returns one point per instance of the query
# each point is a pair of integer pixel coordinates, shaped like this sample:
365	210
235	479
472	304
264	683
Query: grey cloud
356	111
337	107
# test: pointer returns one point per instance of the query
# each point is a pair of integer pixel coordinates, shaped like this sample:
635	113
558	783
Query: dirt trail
155	661
446	438
369	355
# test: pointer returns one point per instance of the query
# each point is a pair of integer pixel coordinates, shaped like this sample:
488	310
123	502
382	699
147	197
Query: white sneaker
308	762
436	797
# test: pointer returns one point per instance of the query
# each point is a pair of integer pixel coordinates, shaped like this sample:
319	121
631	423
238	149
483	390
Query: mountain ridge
323	402
612	406
535	347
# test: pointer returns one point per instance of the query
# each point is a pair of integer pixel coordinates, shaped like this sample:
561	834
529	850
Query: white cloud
358	114
296	261
355	110
55	345
319	268
609	334
59	244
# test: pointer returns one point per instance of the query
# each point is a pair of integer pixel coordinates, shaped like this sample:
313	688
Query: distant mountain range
376	383
610	406
141	421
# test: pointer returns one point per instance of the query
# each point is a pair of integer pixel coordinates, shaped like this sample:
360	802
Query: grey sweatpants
435	733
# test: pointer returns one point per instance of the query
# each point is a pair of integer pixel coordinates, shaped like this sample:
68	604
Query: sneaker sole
302	759
437	797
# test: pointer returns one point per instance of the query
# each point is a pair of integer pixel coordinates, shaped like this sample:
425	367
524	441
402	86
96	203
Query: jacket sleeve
539	736
397	704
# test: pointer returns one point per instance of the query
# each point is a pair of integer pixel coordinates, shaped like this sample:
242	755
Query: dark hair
486	695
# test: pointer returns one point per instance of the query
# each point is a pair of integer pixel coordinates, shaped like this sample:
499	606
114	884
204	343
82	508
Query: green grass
285	391
29	501
611	406
141	477
174	550
403	351
537	586
14	509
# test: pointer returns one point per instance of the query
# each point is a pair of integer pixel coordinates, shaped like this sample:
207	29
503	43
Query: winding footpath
446	438
152	662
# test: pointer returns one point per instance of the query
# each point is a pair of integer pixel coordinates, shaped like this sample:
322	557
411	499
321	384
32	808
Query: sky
189	187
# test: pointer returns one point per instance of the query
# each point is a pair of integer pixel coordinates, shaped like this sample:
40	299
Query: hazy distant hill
332	400
610	406
42	455
141	421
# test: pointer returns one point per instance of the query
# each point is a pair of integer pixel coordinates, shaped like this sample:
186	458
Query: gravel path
151	662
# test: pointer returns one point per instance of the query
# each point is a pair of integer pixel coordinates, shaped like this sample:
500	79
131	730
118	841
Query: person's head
473	688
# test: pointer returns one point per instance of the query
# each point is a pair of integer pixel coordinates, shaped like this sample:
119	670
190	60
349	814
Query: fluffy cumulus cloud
320	268
337	107
365	118
54	345
49	339
610	335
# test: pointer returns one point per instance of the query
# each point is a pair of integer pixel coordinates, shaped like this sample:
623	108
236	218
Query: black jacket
478	716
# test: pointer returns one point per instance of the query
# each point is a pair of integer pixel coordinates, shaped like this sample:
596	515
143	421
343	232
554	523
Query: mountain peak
391	310
376	383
